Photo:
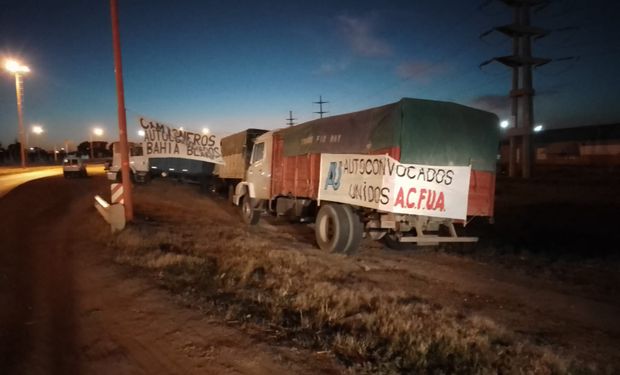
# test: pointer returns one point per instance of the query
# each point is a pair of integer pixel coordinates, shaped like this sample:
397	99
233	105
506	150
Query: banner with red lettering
165	141
385	184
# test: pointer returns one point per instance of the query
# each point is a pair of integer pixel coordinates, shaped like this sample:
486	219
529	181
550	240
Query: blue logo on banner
333	176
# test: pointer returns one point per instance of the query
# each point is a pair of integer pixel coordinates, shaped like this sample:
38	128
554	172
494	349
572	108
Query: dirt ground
188	288
66	308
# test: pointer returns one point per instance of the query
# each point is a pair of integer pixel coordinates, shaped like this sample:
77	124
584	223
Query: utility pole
290	119
122	119
320	103
522	93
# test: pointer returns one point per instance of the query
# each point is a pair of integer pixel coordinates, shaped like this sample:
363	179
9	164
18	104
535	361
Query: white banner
383	183
165	141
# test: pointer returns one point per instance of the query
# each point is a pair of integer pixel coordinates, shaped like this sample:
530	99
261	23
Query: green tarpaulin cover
426	131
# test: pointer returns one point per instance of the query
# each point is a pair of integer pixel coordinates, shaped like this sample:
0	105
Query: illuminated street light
15	67
504	124
205	130
141	133
36	129
98	132
538	128
18	70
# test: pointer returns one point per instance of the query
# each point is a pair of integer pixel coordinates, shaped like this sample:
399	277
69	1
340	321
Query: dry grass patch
319	300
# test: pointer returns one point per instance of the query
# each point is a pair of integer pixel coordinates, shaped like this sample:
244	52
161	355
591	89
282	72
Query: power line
320	103
290	119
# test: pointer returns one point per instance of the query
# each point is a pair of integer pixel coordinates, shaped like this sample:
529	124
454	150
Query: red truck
406	172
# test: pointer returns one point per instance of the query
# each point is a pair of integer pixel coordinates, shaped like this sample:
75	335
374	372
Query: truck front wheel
331	229
249	214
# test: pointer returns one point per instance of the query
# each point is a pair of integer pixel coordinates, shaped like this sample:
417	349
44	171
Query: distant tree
13	151
100	149
84	148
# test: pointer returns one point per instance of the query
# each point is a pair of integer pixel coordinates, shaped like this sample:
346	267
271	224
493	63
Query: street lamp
205	131
37	129
18	70
98	132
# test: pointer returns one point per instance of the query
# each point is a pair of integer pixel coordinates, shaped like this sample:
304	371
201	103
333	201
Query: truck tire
355	229
331	228
249	214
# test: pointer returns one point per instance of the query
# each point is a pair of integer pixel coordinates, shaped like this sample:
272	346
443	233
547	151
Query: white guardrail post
113	214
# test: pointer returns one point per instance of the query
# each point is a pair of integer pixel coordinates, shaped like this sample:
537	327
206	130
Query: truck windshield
258	152
136	151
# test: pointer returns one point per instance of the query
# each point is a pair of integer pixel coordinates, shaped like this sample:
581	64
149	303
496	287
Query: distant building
583	145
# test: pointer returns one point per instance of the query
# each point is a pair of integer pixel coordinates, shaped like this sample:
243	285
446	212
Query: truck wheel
331	229
249	214
355	228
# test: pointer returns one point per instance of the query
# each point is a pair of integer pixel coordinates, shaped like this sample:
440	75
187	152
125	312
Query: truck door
137	160
259	171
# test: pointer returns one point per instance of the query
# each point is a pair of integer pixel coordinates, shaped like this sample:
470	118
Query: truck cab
138	163
259	171
255	190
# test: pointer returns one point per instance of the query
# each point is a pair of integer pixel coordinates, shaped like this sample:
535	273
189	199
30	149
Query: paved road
10	178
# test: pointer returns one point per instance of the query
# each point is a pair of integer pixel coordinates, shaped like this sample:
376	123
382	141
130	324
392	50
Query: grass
309	299
267	278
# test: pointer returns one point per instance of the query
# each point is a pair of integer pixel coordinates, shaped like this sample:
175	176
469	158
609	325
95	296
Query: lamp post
18	70
98	132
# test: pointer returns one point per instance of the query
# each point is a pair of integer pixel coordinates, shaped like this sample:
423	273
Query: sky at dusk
232	65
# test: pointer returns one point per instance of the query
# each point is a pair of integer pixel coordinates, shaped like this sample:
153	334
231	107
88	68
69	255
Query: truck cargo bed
411	131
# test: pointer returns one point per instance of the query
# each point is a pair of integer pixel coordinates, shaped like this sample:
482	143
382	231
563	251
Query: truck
368	174
138	163
236	152
143	168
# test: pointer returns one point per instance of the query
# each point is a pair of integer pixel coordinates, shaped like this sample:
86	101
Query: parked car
74	166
